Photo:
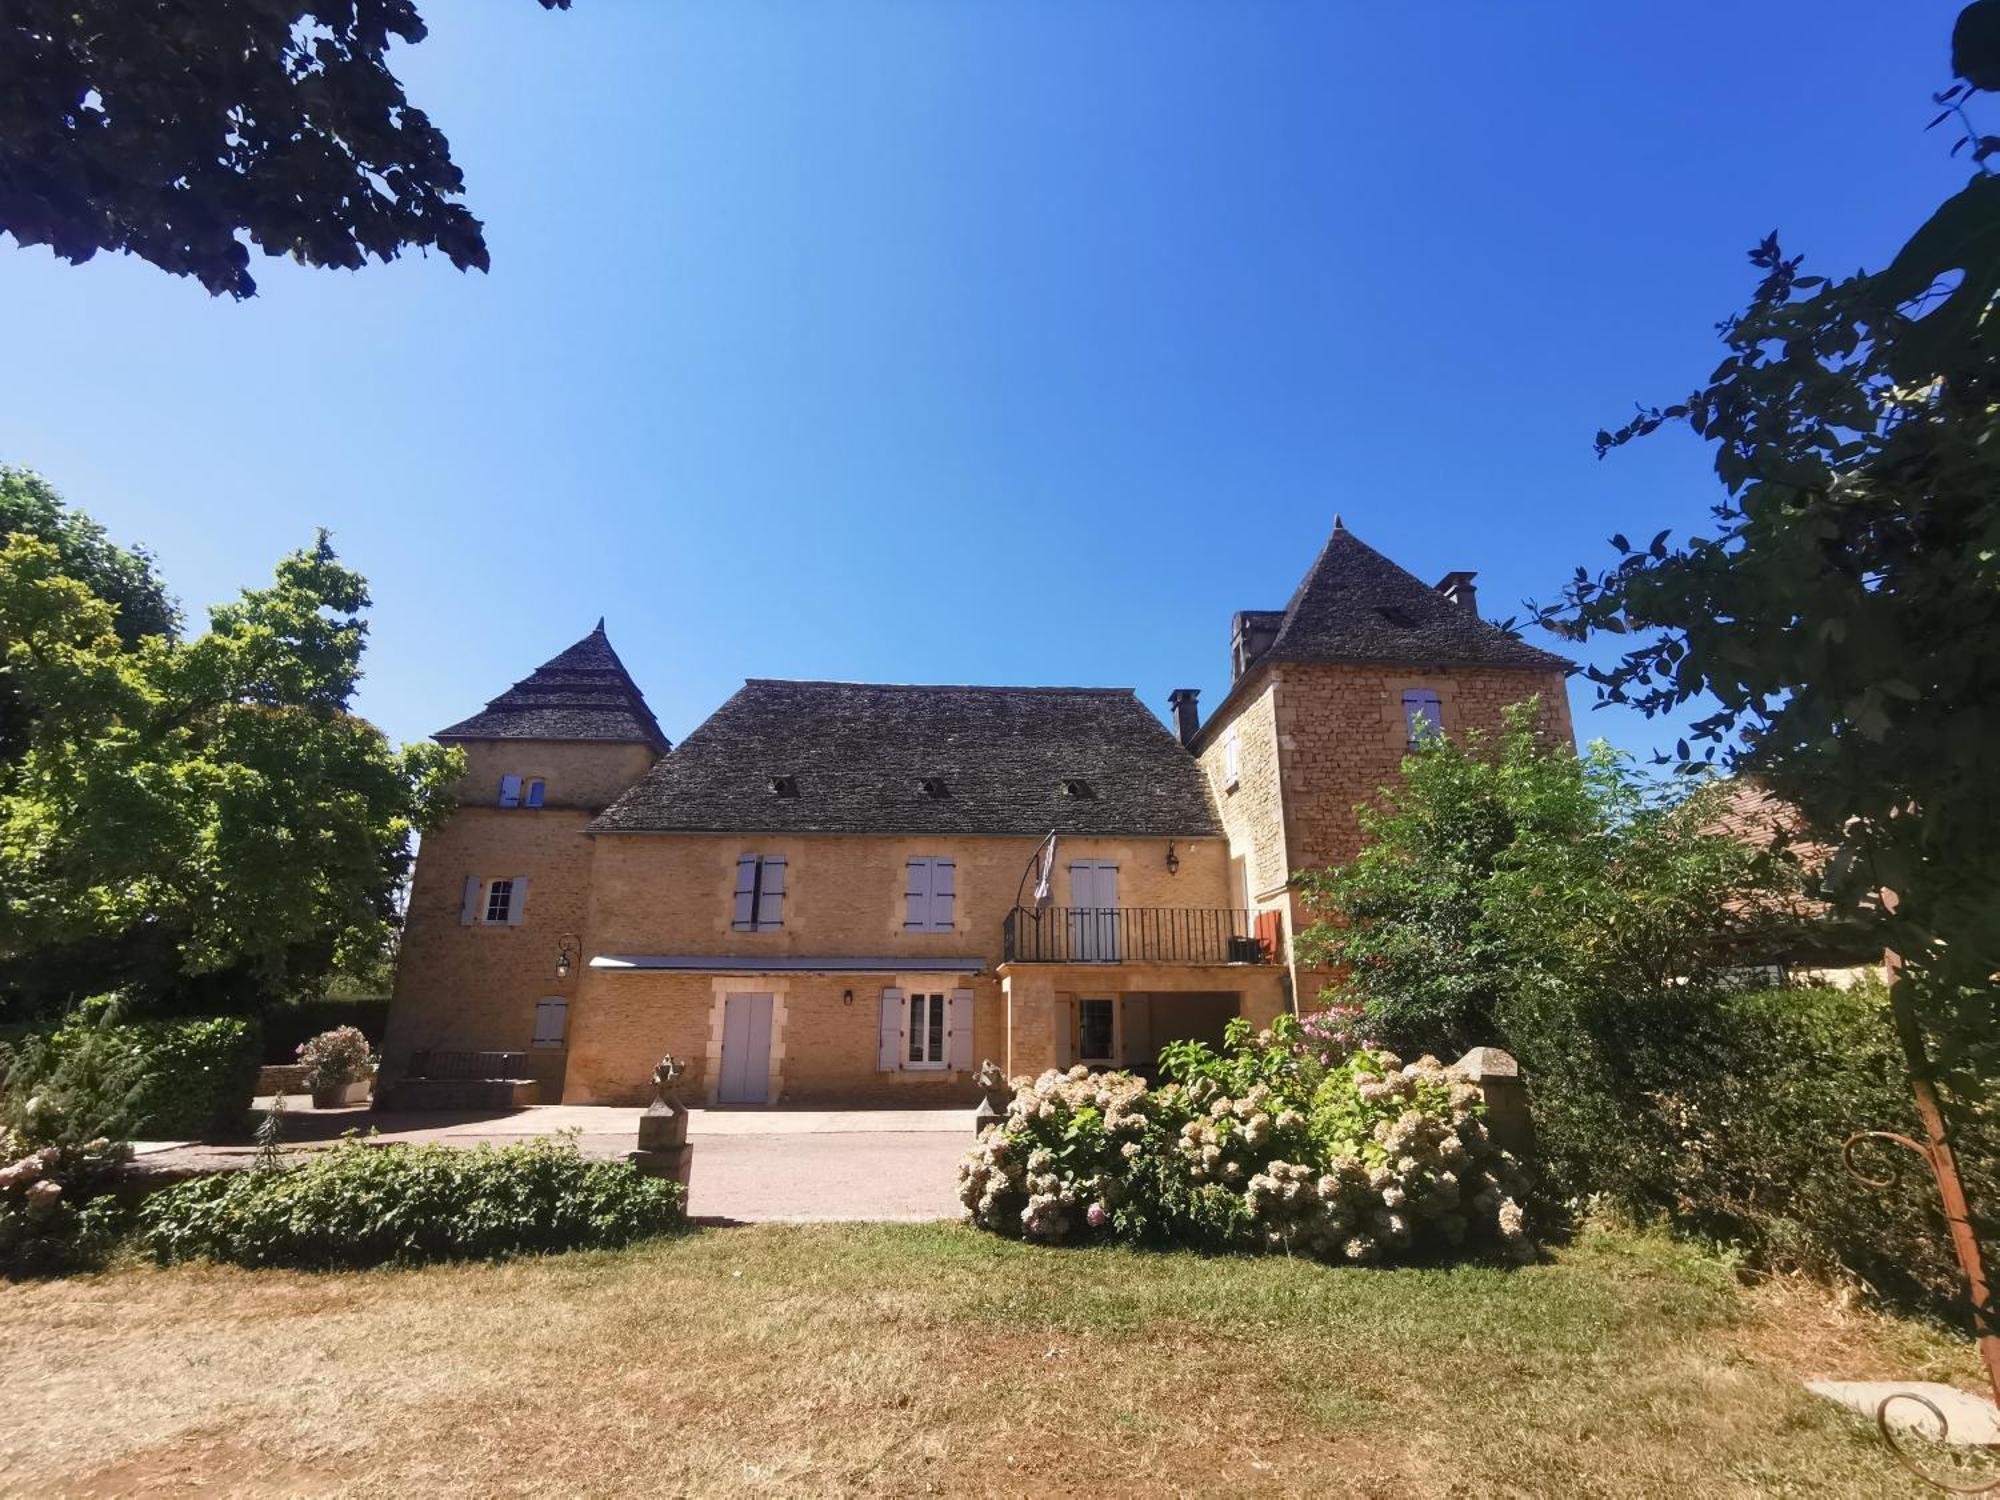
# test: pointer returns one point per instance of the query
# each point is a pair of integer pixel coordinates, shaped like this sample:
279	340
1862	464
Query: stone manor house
857	892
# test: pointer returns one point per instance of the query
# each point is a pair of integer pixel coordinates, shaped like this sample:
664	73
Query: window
1232	758
1075	787
760	893
500	901
934	787
784	786
930	895
1093	1030
532	797
551	1012
926	1031
1423	715
510	791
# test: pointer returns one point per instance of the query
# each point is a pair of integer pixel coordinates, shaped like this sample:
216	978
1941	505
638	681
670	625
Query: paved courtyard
749	1165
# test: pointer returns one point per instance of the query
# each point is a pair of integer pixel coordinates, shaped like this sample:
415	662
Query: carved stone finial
666	1079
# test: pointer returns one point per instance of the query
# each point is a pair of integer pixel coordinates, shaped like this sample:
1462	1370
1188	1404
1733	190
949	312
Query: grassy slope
912	1359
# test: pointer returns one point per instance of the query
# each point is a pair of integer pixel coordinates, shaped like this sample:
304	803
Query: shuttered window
510	791
1232	759
760	893
1423	715
532	797
930	895
551	1015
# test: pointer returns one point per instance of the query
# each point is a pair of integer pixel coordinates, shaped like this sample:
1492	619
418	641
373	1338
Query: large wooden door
746	1050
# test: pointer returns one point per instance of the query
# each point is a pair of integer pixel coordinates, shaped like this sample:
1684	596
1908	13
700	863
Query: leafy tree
1843	612
169	128
203	821
1504	873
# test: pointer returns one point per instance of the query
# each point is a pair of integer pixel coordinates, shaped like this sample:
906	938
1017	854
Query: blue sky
1018	341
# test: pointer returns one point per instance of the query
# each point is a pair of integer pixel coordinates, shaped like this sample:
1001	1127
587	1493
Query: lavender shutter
958	1042
519	903
468	913
917	895
889	1035
745	919
510	791
771	894
944	890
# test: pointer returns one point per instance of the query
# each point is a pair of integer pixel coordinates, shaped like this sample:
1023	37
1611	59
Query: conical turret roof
581	693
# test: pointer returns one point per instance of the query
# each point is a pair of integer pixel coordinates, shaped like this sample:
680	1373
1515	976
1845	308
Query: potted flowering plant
338	1067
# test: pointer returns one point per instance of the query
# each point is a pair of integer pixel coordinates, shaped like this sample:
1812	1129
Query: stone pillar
1498	1079
1031	1023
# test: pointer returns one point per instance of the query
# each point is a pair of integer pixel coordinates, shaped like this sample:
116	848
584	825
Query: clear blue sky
1018	341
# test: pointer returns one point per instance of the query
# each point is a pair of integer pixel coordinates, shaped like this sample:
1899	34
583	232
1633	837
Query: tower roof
582	693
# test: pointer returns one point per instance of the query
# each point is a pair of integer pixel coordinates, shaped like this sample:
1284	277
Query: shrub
355	1205
1262	1146
52	1215
336	1057
97	1076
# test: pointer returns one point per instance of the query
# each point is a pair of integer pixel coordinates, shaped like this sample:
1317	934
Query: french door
1093	914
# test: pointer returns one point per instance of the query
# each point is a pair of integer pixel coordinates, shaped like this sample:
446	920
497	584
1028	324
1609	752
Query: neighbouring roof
856	757
1356	606
583	693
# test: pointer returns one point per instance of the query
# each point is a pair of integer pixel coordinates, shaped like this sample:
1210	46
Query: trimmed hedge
356	1205
288	1026
132	1080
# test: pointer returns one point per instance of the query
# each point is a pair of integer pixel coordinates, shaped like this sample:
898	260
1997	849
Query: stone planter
342	1094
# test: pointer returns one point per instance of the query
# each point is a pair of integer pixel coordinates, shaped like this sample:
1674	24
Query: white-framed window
1423	715
926	1030
494	901
510	790
1232	759
1096	1030
930	895
760	893
533	792
551	1019
499	900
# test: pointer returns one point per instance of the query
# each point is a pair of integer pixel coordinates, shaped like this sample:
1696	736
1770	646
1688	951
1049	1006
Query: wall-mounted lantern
1173	859
569	948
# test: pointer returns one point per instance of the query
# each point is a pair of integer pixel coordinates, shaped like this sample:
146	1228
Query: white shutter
958	1039
917	895
746	893
889	1038
510	791
944	889
550	1013
520	902
469	912
771	894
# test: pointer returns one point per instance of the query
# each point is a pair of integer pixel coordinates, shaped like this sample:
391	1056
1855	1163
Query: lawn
930	1359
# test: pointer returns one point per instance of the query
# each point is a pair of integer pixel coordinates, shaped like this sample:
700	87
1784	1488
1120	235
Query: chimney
1187	719
1457	589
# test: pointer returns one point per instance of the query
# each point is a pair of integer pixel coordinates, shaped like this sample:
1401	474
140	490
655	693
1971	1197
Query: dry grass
927	1359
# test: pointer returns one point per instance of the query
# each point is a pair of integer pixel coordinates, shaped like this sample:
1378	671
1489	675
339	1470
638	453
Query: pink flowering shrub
336	1057
1262	1146
1333	1033
51	1218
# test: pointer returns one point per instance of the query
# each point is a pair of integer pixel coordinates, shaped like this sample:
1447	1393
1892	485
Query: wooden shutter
771	894
510	791
536	789
889	1038
958	1036
944	889
550	1013
917	895
520	902
469	912
746	894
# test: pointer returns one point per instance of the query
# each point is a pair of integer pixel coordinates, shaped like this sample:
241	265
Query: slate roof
858	754
583	693
1356	606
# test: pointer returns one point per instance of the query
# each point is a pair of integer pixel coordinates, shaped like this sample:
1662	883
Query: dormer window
934	787
785	786
1395	614
1077	787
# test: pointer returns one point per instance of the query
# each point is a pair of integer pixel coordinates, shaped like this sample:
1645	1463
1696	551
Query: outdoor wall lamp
847	997
569	947
1173	859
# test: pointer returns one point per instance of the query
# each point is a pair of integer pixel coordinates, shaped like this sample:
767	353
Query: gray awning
750	964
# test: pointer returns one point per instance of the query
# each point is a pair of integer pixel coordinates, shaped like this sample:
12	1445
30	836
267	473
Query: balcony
1141	935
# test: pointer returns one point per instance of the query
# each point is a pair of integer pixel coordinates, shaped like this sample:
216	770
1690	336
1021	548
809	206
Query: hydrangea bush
52	1215
337	1057
1284	1141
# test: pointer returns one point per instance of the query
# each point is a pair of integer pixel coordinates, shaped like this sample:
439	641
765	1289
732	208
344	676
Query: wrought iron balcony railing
1139	935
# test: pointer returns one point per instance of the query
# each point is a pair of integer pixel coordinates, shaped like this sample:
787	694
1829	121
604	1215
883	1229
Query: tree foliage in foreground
1503	873
202	821
175	129
1843	611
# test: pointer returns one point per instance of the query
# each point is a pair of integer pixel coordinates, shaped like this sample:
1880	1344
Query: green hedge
356	1205
160	1080
286	1026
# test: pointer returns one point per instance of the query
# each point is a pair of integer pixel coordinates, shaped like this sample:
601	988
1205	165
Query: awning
908	963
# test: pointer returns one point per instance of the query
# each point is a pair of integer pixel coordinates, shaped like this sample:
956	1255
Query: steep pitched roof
855	757
582	693
1354	605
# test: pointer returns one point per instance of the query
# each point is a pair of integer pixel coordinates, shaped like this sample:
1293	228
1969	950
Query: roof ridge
940	687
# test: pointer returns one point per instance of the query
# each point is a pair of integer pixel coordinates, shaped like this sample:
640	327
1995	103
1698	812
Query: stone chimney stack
1187	718
1457	589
